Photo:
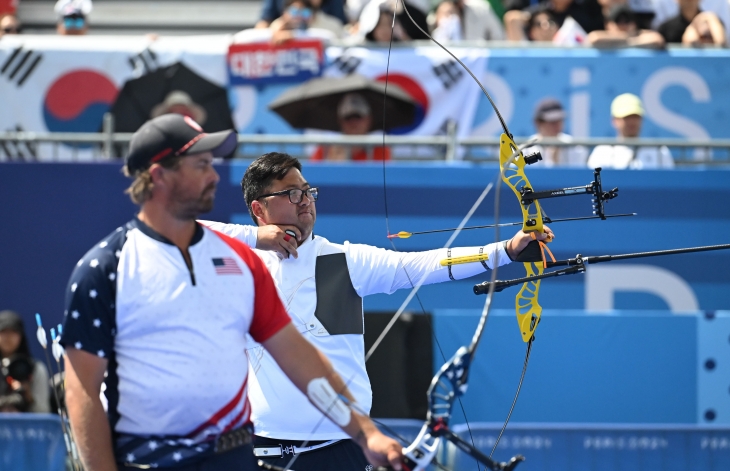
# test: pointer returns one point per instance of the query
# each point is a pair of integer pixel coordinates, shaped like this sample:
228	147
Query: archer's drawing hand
274	238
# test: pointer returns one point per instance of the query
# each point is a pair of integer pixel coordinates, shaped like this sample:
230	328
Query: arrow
406	235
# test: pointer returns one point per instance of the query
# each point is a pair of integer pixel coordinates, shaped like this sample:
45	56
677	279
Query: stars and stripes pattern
226	266
156	434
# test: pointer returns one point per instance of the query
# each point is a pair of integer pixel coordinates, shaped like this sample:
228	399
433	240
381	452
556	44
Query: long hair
140	190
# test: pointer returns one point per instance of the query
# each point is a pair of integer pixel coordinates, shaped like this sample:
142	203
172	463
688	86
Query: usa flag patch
226	266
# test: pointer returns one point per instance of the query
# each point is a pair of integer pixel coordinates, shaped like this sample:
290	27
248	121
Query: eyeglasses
11	30
544	24
295	194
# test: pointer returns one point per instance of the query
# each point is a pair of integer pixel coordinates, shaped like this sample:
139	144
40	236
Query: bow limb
446	387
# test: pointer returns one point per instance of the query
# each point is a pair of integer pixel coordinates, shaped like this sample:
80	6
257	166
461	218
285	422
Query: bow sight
595	188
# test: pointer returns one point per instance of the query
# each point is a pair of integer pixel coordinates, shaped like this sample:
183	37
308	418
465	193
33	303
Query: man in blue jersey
161	311
322	285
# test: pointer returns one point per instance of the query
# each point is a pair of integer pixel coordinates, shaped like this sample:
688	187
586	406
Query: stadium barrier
58	147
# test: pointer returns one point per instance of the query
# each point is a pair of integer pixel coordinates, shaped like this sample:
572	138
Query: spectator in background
273	9
693	26
381	29
354	8
542	26
549	120
72	17
626	116
469	20
586	13
179	102
375	12
303	15
622	30
666	9
9	24
355	119
643	10
706	28
447	22
14	349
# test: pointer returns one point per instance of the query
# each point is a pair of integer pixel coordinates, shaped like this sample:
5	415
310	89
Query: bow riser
512	164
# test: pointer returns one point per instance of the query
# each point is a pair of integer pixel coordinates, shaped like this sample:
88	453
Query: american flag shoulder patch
226	266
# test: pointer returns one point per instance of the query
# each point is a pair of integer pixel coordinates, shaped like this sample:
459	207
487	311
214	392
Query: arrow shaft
507	224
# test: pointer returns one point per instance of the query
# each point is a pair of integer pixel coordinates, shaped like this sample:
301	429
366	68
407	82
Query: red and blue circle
77	100
414	89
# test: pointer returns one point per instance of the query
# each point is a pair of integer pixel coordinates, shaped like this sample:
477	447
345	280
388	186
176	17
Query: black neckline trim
148	231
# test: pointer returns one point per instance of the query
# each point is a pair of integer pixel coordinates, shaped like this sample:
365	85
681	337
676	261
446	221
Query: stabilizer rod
578	265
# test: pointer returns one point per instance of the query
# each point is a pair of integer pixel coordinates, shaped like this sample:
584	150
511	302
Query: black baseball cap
174	135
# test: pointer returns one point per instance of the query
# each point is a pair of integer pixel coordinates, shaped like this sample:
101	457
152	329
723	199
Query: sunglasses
12	30
304	13
74	22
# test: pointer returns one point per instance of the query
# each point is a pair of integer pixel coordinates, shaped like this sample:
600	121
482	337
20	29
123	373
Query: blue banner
31	442
684	91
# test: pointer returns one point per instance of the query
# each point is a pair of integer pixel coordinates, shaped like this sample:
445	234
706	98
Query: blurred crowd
597	23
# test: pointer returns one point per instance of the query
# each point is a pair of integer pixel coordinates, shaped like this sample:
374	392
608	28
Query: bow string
451	381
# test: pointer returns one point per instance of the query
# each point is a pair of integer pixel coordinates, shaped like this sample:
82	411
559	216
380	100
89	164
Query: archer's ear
258	210
156	172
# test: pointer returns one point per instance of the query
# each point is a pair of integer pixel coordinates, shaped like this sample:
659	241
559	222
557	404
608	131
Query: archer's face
192	186
280	211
